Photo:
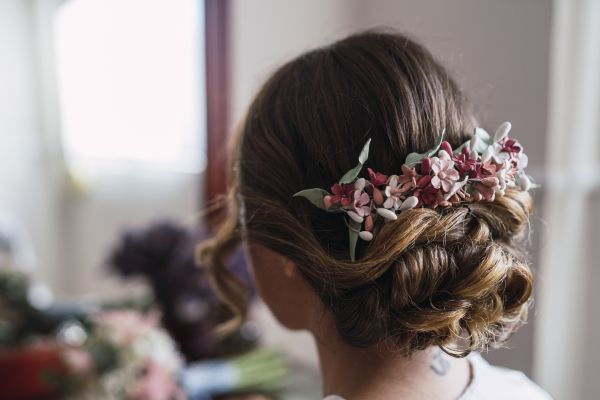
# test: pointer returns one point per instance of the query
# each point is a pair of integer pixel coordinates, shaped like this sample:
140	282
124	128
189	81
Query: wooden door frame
217	37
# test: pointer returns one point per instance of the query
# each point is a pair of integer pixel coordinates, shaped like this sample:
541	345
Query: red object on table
23	373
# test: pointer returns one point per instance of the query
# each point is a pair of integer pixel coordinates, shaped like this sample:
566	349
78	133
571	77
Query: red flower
342	194
447	147
377	178
466	162
510	145
425	166
427	194
513	152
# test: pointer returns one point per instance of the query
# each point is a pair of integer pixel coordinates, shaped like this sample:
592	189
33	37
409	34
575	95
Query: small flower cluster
479	170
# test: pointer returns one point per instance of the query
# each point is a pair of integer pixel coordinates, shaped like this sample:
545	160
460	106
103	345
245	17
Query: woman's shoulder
490	382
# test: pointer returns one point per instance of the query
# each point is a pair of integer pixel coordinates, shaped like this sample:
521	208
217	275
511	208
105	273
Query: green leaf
364	153
483	135
485	140
353	230
415	158
351	175
315	196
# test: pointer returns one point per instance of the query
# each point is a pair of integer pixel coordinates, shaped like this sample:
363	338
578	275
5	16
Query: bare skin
350	372
371	374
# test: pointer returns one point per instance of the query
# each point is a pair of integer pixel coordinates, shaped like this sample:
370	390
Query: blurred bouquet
128	356
114	354
122	351
123	355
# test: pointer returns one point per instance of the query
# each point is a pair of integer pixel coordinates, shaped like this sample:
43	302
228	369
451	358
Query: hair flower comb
478	170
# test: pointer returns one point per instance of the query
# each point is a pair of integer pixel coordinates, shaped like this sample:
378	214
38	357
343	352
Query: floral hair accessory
478	170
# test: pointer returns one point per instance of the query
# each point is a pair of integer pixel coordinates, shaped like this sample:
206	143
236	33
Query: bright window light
131	83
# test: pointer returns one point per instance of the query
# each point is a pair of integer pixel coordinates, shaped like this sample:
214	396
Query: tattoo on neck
439	364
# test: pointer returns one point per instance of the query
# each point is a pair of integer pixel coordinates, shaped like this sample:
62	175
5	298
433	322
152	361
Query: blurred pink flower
125	325
78	361
156	384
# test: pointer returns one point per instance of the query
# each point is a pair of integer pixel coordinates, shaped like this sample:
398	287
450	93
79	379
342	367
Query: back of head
452	277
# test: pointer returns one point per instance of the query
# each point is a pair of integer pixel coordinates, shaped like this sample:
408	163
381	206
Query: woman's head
450	277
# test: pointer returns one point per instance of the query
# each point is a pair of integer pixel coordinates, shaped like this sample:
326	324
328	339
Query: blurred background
114	115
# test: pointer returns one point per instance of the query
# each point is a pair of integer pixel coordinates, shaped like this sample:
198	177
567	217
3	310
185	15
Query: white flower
393	193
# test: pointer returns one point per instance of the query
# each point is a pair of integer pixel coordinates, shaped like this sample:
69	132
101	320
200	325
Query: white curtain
567	352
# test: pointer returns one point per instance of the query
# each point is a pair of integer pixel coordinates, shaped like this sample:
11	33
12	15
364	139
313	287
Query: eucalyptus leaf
415	158
353	231
315	196
351	175
486	139
364	153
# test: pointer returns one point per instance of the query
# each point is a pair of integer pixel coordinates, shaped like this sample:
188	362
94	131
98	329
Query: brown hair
453	277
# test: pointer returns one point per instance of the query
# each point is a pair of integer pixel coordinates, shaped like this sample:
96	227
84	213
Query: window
131	81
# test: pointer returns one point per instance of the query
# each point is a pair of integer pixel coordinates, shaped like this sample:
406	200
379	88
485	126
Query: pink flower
377	178
444	174
408	179
393	193
156	384
362	203
126	325
398	186
361	206
484	169
78	361
487	187
342	194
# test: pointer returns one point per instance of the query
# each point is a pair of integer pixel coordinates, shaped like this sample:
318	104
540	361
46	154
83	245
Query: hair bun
459	283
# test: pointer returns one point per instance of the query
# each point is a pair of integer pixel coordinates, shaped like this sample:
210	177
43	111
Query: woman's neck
357	374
